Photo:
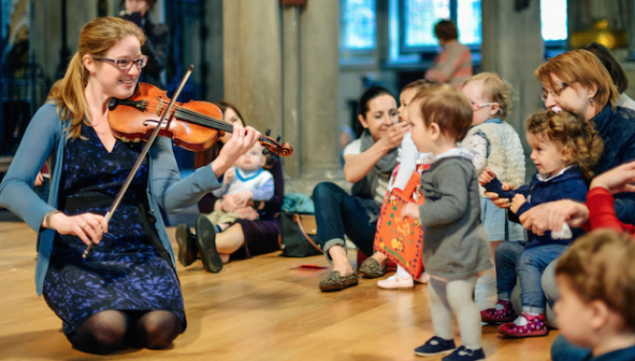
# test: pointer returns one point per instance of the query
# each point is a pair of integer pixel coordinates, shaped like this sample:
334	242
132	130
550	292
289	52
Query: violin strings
217	124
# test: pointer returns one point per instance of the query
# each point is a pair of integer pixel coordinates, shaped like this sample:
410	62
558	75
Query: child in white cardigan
495	145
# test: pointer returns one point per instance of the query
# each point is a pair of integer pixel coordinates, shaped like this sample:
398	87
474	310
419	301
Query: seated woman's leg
229	241
548	282
102	333
336	214
157	329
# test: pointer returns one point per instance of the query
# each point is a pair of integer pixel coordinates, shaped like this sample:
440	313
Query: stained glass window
553	17
469	21
421	15
359	24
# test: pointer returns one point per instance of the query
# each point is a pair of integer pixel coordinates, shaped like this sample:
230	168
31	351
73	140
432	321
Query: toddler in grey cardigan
455	248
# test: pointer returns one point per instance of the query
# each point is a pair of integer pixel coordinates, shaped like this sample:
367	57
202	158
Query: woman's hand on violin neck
241	141
89	227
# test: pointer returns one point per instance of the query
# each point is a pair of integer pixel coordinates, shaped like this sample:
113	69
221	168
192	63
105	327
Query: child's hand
508	186
229	175
517	202
410	210
617	180
39	179
486	176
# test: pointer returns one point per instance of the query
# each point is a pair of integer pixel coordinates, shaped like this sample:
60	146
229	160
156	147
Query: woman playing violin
126	291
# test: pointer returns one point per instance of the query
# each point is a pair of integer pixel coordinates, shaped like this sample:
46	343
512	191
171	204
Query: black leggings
108	331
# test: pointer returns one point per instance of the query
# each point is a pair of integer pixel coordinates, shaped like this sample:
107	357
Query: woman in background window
454	64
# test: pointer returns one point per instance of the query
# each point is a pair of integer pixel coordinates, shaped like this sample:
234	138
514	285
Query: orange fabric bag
401	239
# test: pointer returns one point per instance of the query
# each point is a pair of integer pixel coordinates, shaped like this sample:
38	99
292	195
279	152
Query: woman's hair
610	63
446	30
572	133
54	92
419	85
581	66
370	94
496	89
95	39
447	107
600	267
224	105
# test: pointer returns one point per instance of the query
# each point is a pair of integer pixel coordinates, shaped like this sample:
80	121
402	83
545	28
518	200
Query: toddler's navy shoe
435	346
465	354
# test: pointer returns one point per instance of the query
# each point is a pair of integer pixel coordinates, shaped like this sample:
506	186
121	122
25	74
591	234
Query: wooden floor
258	309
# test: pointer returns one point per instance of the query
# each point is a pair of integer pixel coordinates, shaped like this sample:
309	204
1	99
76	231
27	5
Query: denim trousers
514	262
337	214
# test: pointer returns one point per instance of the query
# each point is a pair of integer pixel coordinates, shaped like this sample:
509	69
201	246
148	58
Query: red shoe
530	326
498	314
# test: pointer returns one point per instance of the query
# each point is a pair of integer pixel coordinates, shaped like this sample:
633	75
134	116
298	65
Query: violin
195	125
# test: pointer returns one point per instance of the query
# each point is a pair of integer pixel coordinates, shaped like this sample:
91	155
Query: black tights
108	331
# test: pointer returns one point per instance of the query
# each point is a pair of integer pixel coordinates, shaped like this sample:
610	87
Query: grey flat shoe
335	282
370	268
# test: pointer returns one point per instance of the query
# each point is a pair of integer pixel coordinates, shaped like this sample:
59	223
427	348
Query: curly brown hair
572	133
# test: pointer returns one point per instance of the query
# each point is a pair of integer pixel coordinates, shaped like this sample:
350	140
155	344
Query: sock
217	228
402	273
499	306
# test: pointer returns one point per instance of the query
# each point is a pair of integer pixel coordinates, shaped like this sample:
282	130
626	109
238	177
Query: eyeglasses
479	106
125	63
556	92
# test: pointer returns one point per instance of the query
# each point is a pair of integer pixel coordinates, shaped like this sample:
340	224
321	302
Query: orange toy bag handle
412	185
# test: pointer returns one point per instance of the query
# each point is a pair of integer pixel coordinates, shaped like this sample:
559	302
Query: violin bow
143	154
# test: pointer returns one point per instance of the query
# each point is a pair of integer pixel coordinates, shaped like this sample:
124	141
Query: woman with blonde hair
126	290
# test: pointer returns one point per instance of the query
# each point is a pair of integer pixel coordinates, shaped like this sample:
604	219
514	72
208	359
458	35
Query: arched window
358	25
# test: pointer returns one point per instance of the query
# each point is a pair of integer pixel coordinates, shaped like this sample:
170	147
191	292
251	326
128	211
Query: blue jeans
337	214
563	350
513	261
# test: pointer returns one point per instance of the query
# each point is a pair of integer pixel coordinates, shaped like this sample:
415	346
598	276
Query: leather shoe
206	241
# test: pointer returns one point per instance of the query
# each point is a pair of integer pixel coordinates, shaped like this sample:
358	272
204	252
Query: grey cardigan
455	244
46	136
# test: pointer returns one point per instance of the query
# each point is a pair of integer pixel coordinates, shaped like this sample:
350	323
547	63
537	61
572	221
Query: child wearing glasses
496	146
565	148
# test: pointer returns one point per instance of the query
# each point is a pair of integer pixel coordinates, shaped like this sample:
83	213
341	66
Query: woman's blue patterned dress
124	271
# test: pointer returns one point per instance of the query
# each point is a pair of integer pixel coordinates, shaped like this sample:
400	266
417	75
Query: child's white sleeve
477	145
409	156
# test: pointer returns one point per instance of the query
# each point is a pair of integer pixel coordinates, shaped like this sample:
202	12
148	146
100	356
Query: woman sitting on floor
254	233
369	161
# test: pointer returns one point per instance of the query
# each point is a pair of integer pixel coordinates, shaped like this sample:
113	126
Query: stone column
280	68
292	131
513	48
319	69
253	61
